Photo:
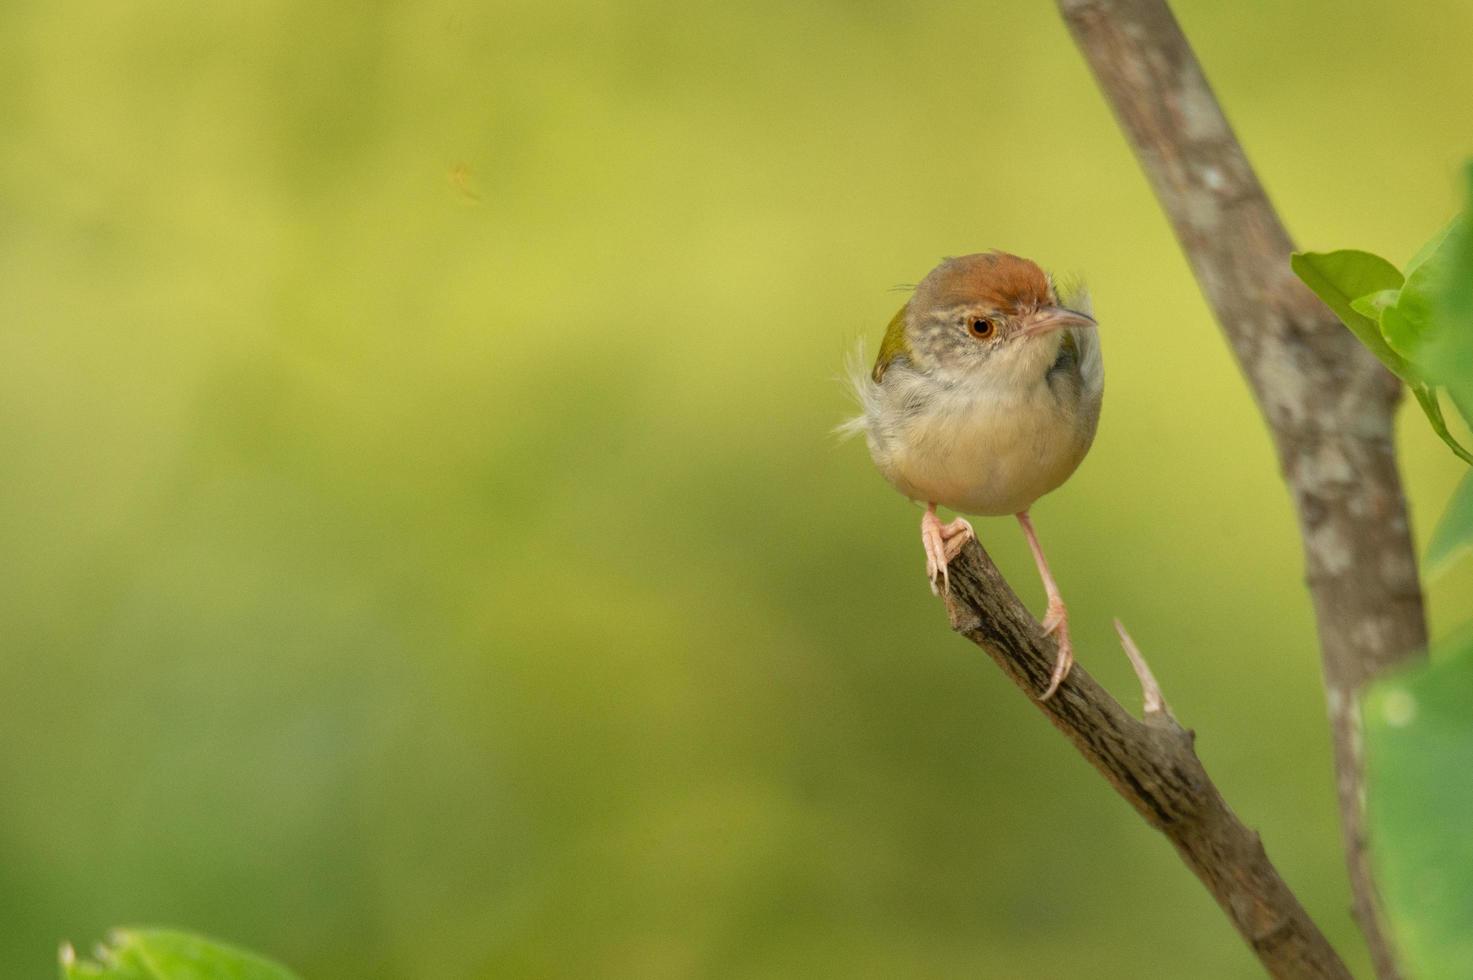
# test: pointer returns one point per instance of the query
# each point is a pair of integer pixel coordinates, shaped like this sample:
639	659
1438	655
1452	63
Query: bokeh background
425	554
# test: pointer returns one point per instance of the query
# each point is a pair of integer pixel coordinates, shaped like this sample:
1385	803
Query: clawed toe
1055	623
956	535
1055	617
936	574
1062	666
942	542
936	557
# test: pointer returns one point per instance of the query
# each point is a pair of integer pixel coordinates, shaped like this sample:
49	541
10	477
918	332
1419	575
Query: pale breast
981	453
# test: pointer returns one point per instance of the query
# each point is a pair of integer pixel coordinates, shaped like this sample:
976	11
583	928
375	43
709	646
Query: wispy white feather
862	388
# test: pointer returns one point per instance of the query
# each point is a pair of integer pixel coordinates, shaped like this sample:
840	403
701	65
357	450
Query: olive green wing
893	345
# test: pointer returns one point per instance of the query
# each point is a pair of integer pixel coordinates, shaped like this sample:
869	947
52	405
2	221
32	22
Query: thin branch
1152	764
1328	404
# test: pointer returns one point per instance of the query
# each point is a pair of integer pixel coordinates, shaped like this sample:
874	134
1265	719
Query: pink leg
1056	620
942	542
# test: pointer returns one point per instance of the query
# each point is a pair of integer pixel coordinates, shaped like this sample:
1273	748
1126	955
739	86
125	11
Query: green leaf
1427	398
1432	245
1458	299
1419	750
161	955
1372	304
1453	537
1455	350
1412	325
1431	322
1338	279
1462	397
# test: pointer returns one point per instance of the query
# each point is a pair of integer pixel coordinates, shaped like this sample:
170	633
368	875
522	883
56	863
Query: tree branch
1328	404
1152	764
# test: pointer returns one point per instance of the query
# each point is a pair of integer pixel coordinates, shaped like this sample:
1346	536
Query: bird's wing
893	345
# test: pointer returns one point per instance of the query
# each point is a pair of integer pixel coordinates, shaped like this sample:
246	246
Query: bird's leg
1056	620
942	542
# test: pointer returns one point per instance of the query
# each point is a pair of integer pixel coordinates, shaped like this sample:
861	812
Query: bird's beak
1055	318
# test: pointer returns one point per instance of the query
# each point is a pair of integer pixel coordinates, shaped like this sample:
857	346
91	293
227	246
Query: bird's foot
942	542
956	535
1056	623
1055	617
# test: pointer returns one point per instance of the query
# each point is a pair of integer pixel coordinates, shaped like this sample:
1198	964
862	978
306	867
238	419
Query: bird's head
987	318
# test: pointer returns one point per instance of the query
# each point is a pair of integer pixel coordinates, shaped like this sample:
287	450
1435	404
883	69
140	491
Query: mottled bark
1150	762
1328	403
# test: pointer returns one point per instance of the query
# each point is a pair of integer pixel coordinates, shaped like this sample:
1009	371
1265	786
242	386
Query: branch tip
1154	701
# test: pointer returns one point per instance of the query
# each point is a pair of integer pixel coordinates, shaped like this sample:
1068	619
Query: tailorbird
985	396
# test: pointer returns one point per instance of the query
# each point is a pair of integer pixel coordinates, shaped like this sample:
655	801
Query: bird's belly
984	458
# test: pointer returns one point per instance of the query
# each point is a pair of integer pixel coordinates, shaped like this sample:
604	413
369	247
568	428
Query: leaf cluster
1418	321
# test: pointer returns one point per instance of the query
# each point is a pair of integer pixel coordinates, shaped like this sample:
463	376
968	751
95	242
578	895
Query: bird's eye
982	328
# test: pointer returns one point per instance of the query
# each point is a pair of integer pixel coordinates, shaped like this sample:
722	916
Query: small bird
985	396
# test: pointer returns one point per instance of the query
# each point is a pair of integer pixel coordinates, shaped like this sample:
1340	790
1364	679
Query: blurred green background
425	554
